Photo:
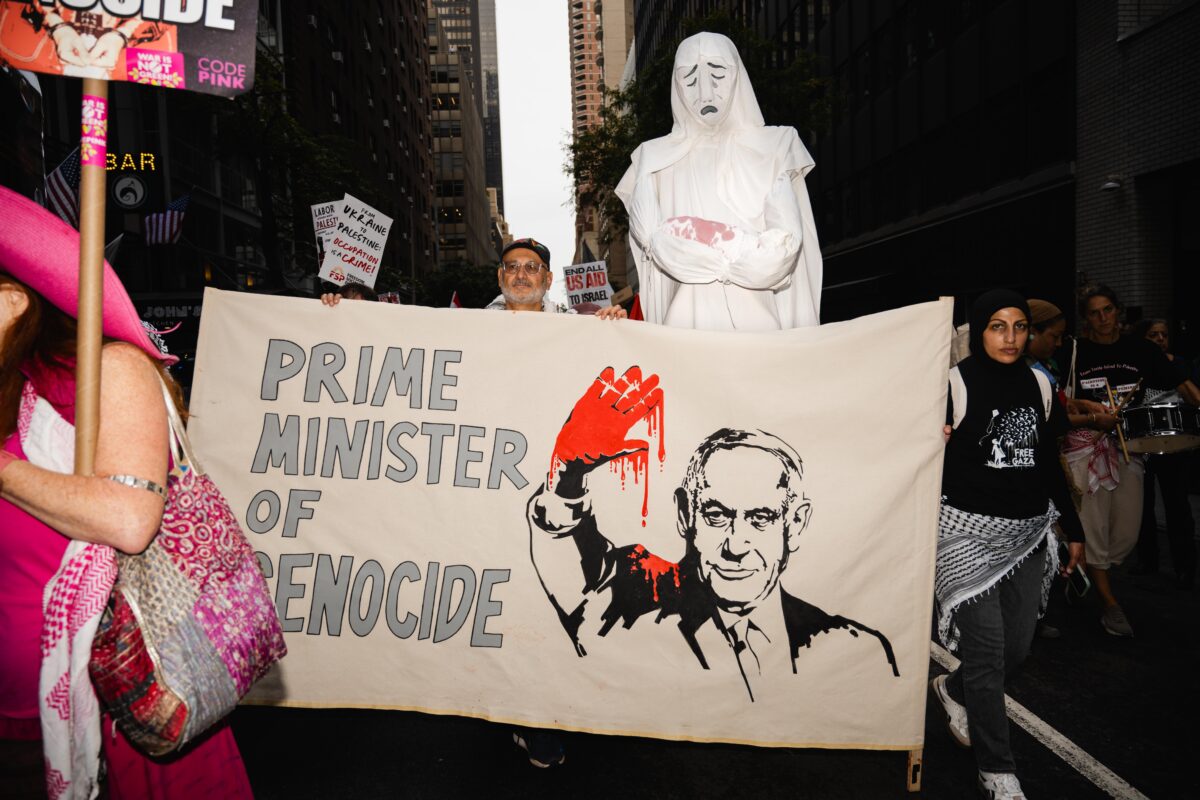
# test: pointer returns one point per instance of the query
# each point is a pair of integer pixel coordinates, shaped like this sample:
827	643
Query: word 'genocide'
362	594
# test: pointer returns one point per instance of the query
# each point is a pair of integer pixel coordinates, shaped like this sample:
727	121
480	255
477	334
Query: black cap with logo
528	244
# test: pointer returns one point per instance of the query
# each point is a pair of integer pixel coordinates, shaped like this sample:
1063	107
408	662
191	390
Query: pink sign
93	141
154	68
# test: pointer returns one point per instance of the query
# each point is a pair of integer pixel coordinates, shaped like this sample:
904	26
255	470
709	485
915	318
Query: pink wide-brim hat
42	251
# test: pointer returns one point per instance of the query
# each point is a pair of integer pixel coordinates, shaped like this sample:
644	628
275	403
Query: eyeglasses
529	267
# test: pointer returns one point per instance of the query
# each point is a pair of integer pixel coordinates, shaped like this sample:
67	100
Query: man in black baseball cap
533	245
524	276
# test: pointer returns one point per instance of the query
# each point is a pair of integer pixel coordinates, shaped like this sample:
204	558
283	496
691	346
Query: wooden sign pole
91	275
915	764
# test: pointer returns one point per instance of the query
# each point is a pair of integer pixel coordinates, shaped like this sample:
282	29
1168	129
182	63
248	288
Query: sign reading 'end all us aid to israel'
202	45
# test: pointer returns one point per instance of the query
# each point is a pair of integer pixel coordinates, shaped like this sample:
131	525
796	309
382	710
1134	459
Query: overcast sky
535	123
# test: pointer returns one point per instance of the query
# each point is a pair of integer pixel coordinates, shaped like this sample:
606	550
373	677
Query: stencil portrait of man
741	510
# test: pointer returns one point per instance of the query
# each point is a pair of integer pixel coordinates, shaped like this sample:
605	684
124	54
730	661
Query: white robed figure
720	221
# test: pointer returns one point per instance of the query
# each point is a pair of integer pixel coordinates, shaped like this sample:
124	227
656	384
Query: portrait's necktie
743	632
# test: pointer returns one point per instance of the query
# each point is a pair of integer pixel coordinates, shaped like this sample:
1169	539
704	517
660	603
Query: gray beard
513	299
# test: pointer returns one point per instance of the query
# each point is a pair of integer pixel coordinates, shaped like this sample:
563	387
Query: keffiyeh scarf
976	551
1100	451
72	603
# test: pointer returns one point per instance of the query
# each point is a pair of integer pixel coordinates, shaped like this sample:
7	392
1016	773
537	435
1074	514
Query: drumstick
1120	434
1129	395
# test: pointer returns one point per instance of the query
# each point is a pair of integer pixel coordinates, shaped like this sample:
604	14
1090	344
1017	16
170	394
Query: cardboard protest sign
324	226
448	526
354	248
587	283
202	45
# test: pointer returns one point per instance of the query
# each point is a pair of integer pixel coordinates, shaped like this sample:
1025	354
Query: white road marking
1076	757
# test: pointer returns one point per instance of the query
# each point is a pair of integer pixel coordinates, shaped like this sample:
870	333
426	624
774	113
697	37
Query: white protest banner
448	525
203	47
355	249
325	218
588	283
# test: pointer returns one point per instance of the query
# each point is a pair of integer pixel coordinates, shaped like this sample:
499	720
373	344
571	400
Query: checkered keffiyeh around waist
1100	450
976	551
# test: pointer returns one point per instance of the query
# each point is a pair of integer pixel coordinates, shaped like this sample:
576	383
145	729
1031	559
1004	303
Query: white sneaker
956	713
1115	622
1000	786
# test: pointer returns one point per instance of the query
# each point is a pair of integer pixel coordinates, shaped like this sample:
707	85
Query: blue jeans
996	630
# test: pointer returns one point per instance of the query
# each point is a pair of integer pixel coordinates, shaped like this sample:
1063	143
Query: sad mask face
707	87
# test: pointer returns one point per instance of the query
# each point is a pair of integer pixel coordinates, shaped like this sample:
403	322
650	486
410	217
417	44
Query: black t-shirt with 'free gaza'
1002	459
1122	364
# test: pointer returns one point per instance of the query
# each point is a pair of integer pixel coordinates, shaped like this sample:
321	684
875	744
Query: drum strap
1069	387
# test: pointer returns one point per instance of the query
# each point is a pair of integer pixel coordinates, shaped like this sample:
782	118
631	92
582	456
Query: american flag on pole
167	226
62	189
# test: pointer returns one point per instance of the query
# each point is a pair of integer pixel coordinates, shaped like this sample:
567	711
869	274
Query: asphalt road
1132	704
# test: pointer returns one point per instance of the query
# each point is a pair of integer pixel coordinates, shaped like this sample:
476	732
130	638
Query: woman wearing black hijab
1003	490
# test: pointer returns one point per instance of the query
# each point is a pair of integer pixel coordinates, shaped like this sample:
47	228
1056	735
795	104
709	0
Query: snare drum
1161	428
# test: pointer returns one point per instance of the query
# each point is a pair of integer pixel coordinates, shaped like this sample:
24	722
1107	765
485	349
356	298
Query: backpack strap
1046	389
958	396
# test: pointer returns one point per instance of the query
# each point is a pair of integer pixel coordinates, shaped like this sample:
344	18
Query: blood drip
637	462
653	568
657	422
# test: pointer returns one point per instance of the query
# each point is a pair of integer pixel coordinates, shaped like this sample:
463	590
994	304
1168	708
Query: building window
450	215
1133	14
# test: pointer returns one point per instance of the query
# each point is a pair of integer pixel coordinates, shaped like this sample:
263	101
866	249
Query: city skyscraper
461	197
470	30
601	34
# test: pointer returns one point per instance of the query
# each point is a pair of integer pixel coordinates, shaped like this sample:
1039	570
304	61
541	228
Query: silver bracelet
139	483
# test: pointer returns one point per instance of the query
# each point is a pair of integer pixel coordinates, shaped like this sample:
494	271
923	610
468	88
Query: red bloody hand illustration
599	424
